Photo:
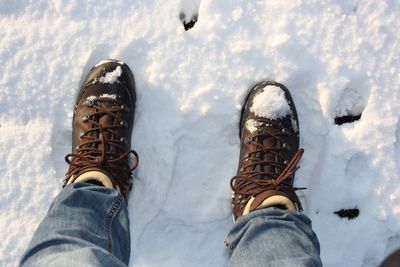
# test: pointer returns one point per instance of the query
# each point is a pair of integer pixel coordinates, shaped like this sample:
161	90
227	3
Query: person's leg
87	225
273	237
269	228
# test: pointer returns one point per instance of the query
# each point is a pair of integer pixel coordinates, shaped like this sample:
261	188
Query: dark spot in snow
348	213
188	24
347	119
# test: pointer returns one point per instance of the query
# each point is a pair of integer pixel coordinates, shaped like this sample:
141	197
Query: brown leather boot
102	128
269	134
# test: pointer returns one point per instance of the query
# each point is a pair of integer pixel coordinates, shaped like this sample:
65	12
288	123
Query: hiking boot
269	153
102	128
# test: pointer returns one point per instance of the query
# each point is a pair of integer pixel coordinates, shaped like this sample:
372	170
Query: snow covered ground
338	57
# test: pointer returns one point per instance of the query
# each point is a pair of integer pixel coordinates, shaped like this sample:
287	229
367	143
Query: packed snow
253	125
271	103
337	57
93	97
111	77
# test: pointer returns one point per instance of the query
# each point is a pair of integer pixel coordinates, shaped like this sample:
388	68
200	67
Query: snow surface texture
335	56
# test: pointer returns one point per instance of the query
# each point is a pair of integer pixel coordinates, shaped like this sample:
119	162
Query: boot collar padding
272	201
93	175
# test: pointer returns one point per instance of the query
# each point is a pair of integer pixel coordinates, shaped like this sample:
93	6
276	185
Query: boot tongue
266	142
107	120
104	120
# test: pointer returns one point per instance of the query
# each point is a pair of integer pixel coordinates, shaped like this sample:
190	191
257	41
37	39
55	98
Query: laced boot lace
254	178
102	146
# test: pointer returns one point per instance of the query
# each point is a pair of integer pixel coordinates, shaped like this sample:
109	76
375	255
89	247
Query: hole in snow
347	119
348	213
188	23
351	103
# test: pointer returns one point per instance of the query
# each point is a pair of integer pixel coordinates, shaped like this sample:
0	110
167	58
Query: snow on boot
102	128
269	154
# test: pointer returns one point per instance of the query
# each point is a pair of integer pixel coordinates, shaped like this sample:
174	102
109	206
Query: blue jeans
88	225
273	237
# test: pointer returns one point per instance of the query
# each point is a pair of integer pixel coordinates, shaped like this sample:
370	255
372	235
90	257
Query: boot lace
102	146
253	179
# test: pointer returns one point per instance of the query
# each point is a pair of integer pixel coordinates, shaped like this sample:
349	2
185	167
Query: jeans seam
112	211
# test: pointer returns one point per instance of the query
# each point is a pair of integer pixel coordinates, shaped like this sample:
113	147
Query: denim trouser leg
87	225
273	237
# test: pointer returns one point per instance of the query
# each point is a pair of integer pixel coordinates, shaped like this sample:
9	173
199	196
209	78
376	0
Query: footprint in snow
350	106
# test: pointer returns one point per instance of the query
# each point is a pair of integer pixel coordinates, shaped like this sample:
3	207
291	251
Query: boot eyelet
85	118
286	162
248	140
81	134
286	146
285	131
125	108
89	103
77	147
124	140
124	124
241	169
